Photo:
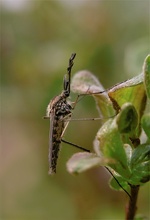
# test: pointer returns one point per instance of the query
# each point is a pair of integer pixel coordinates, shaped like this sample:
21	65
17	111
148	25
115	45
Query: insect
59	111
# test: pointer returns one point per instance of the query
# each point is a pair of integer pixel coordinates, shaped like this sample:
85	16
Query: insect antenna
67	77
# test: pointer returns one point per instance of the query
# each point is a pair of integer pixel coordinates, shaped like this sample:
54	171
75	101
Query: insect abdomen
54	156
55	145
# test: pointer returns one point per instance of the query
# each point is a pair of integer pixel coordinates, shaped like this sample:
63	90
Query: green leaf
132	91
140	165
109	143
128	150
114	185
146	69
146	124
127	119
140	154
83	161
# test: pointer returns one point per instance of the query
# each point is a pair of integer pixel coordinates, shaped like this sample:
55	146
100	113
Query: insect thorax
59	107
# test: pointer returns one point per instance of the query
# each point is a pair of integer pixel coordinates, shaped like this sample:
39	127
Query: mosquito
59	112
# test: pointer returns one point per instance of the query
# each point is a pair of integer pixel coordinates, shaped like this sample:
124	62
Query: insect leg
117	181
46	117
66	125
75	145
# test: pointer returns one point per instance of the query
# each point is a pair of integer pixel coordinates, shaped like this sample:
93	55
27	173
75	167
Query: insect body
57	111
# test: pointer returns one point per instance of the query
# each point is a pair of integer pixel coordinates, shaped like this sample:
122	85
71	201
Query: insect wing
55	134
50	156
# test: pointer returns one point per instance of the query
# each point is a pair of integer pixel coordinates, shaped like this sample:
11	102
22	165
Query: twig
131	206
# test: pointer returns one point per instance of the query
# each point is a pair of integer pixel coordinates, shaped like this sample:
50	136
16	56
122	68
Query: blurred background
111	39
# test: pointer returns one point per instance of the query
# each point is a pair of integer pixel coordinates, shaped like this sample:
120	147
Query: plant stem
131	206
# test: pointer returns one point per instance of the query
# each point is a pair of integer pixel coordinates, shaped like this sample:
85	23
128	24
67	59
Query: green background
111	39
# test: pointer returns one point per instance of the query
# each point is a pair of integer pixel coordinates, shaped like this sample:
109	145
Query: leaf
140	154
127	119
83	161
145	121
132	91
140	165
128	150
86	83
114	185
146	69
109	144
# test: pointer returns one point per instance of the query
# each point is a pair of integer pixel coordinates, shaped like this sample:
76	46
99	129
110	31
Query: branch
131	206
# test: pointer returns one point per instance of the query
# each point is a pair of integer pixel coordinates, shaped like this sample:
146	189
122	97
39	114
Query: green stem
131	206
